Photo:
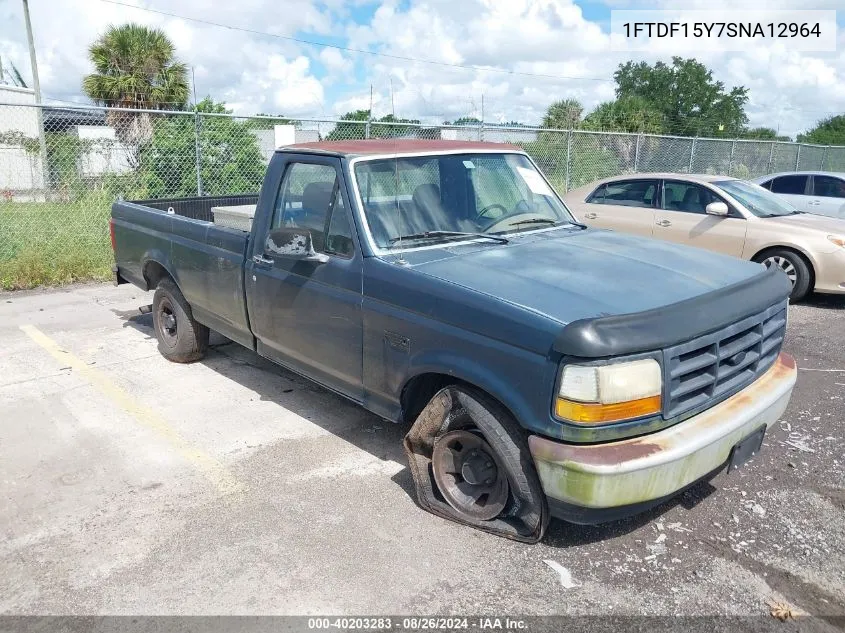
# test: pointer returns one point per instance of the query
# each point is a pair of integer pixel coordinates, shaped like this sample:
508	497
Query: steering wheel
490	207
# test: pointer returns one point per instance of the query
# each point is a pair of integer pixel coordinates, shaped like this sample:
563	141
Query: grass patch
50	243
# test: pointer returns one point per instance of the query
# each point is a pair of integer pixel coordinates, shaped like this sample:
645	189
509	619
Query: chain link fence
56	188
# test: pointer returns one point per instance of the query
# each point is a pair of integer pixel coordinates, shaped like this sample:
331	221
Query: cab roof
392	147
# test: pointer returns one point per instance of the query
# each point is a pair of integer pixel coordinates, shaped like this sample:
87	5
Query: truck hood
572	274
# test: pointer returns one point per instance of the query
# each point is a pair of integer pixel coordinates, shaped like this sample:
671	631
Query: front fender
510	381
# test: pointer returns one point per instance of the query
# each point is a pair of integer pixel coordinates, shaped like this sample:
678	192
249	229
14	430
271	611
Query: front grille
708	369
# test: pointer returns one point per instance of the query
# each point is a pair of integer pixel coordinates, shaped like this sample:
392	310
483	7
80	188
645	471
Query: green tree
686	95
135	67
464	120
396	127
626	114
230	158
763	134
829	131
268	123
563	115
357	128
348	131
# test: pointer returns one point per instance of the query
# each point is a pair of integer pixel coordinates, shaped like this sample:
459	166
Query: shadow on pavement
368	432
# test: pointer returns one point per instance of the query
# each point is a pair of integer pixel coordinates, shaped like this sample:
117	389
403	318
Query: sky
562	48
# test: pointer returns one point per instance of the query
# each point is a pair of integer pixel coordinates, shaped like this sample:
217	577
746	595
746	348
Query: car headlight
836	239
603	394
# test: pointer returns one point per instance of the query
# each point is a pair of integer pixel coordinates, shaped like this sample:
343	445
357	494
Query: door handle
814	203
590	216
262	261
663	223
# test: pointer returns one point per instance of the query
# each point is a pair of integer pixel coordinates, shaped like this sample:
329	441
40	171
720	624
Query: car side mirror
293	243
716	208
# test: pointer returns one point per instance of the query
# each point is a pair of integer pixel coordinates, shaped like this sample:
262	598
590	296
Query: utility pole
36	85
369	114
197	154
481	127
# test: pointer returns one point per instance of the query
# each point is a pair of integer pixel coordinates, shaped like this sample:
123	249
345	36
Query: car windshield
416	200
759	201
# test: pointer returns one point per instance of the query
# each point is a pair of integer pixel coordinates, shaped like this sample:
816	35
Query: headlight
836	239
609	393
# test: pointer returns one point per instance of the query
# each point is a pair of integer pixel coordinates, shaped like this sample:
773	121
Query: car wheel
181	339
795	268
471	464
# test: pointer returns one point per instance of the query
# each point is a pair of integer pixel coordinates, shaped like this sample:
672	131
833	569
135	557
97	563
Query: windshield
423	199
759	201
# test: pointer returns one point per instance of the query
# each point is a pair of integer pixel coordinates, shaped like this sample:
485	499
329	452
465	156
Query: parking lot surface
131	485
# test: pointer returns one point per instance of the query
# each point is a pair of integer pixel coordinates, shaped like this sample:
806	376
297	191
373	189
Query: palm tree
563	115
135	67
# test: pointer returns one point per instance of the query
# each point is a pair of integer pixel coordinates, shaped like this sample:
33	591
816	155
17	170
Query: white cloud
255	73
336	62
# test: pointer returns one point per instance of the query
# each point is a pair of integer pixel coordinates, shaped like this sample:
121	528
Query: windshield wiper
430	234
535	221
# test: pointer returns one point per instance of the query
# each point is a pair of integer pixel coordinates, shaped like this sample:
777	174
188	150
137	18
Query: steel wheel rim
469	476
784	264
167	325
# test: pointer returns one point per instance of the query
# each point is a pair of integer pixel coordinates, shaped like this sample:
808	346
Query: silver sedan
817	192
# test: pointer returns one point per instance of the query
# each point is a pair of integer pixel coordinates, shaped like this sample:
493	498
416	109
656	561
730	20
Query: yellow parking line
145	416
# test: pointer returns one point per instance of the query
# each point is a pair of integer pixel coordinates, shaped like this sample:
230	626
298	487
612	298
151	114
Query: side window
687	197
597	197
766	185
828	187
309	198
630	193
339	236
795	185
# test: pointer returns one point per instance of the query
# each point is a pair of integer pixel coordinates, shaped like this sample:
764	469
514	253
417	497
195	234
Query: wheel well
762	255
154	273
419	390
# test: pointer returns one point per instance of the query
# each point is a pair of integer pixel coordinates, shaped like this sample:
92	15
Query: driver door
306	314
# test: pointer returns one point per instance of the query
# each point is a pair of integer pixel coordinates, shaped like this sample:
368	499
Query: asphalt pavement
131	485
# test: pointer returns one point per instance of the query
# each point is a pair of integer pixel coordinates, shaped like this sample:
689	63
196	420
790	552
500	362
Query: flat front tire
471	464
181	338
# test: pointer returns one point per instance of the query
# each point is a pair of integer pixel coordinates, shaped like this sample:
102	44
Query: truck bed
199	208
205	260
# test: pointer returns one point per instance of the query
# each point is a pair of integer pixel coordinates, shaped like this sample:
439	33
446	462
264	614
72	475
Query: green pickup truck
543	368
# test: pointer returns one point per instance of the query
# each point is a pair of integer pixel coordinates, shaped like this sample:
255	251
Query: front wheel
793	265
181	338
471	464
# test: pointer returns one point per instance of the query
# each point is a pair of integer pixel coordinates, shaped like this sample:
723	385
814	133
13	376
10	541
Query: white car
817	192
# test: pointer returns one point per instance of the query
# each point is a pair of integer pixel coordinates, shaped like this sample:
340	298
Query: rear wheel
793	265
181	338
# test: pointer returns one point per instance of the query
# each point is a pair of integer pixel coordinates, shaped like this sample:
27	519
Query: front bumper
829	272
600	482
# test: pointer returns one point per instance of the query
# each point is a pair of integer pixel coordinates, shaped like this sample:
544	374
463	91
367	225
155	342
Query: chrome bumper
636	471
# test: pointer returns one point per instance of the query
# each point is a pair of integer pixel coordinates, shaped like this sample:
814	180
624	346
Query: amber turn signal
594	413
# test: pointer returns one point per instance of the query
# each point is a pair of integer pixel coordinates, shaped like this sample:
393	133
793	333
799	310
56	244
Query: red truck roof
395	146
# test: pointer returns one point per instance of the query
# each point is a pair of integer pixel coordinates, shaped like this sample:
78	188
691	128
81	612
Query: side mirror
716	208
293	243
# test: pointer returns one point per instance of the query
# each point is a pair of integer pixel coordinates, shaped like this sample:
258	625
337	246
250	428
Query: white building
21	175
